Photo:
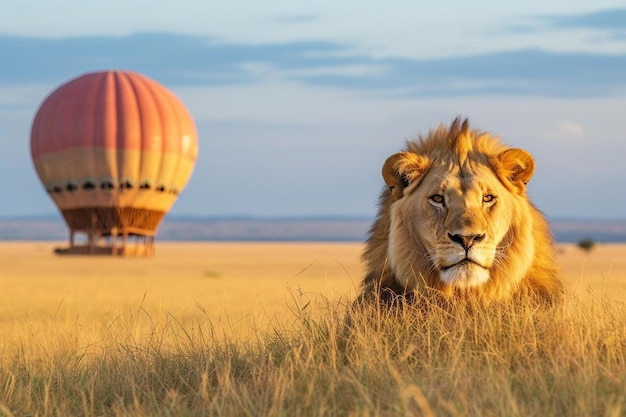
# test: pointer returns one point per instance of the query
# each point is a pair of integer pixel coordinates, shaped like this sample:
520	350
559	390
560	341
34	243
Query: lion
455	222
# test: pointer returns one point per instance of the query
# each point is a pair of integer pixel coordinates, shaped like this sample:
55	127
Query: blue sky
298	104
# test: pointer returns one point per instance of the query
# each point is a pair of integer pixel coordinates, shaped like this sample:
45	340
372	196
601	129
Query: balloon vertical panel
128	141
150	121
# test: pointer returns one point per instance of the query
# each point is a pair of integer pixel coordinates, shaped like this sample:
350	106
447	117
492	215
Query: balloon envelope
113	149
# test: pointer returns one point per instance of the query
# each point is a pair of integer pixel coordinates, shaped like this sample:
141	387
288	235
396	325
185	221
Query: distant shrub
586	244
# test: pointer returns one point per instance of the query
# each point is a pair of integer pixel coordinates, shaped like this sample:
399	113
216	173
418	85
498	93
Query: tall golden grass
304	352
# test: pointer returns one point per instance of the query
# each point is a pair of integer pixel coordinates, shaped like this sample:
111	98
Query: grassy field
259	329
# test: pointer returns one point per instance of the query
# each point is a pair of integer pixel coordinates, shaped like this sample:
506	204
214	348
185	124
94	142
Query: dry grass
259	329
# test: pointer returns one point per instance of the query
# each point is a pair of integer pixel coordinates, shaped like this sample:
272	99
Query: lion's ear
402	169
517	166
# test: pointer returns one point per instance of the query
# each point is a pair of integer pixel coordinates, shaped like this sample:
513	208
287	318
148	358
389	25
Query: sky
298	104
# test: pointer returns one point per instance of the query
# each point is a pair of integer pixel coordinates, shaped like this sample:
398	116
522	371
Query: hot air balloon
113	149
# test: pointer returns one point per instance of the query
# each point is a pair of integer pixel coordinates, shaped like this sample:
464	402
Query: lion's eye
489	198
437	198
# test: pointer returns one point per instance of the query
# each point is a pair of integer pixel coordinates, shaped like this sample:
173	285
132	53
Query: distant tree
586	244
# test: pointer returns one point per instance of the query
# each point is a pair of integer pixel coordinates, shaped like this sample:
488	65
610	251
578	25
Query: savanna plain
265	329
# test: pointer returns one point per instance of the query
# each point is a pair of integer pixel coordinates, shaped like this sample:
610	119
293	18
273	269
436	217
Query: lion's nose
466	240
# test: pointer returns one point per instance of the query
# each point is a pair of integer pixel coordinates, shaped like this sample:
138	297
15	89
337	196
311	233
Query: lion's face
460	216
451	221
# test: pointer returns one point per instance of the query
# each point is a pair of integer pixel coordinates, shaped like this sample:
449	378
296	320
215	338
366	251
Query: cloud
187	60
603	20
176	58
610	22
566	132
